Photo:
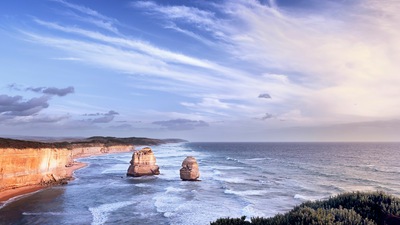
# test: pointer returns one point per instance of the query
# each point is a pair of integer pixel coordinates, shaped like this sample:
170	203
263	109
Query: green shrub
231	221
345	209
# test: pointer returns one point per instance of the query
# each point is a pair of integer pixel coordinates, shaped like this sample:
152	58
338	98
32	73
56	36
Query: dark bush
355	208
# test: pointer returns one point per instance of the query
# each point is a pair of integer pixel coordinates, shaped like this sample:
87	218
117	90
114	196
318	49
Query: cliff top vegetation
92	141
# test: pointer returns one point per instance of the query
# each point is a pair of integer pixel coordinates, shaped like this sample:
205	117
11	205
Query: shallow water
252	179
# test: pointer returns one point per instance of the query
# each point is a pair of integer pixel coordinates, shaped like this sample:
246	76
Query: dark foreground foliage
355	208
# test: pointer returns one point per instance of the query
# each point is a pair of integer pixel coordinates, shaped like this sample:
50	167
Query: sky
243	70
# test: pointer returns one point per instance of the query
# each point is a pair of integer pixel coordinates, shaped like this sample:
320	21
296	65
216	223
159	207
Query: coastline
9	194
6	195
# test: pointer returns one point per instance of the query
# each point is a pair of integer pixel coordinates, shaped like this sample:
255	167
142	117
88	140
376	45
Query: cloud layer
181	124
308	64
52	90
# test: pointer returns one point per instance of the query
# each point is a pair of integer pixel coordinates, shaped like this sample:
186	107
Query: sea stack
190	169
143	163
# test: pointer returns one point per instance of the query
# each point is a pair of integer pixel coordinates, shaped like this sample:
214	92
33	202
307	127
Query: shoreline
7	195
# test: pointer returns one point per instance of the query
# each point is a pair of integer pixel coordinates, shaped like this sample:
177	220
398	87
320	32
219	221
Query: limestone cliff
143	163
23	167
79	151
24	163
190	169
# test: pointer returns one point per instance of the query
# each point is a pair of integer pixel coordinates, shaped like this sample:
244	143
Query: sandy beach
11	193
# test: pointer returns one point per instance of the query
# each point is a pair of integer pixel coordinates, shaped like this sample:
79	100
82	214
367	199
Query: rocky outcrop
143	163
190	169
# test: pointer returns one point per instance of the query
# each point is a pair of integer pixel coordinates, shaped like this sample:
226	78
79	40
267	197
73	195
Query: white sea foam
249	211
172	189
256	159
100	213
232	159
308	198
142	185
43	213
234	180
167	203
144	178
246	192
169	174
116	169
3	204
223	167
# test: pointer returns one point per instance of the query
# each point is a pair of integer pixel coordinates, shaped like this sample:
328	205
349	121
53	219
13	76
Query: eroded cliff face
23	167
79	151
32	166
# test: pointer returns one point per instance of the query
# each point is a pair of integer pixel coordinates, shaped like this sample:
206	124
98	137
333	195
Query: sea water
251	179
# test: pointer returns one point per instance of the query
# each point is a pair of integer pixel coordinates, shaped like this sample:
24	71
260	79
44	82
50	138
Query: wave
232	159
257	159
172	189
44	213
143	185
100	213
308	198
223	167
234	180
247	192
117	169
249	211
3	204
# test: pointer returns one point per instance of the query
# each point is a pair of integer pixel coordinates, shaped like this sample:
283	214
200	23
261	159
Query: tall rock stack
143	163
190	169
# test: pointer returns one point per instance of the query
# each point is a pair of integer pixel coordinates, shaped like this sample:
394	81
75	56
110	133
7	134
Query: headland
28	166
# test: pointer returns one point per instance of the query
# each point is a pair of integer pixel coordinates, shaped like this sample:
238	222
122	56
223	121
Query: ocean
250	179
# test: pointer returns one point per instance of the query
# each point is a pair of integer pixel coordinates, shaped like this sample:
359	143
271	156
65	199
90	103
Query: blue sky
280	70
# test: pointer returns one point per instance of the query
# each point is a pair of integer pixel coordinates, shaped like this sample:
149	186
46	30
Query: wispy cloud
315	65
68	59
91	16
188	14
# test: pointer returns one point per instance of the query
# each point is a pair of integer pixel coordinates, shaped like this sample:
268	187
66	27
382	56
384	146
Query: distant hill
107	141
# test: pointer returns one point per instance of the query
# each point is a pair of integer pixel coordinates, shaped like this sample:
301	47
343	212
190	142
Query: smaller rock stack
190	169
143	163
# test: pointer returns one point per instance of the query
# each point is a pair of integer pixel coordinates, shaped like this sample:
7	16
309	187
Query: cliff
79	151
23	167
24	163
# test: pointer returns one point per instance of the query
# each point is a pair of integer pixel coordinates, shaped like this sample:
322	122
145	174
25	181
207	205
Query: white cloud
91	16
320	67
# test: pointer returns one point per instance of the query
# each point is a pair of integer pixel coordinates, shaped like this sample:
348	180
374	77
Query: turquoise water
252	179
